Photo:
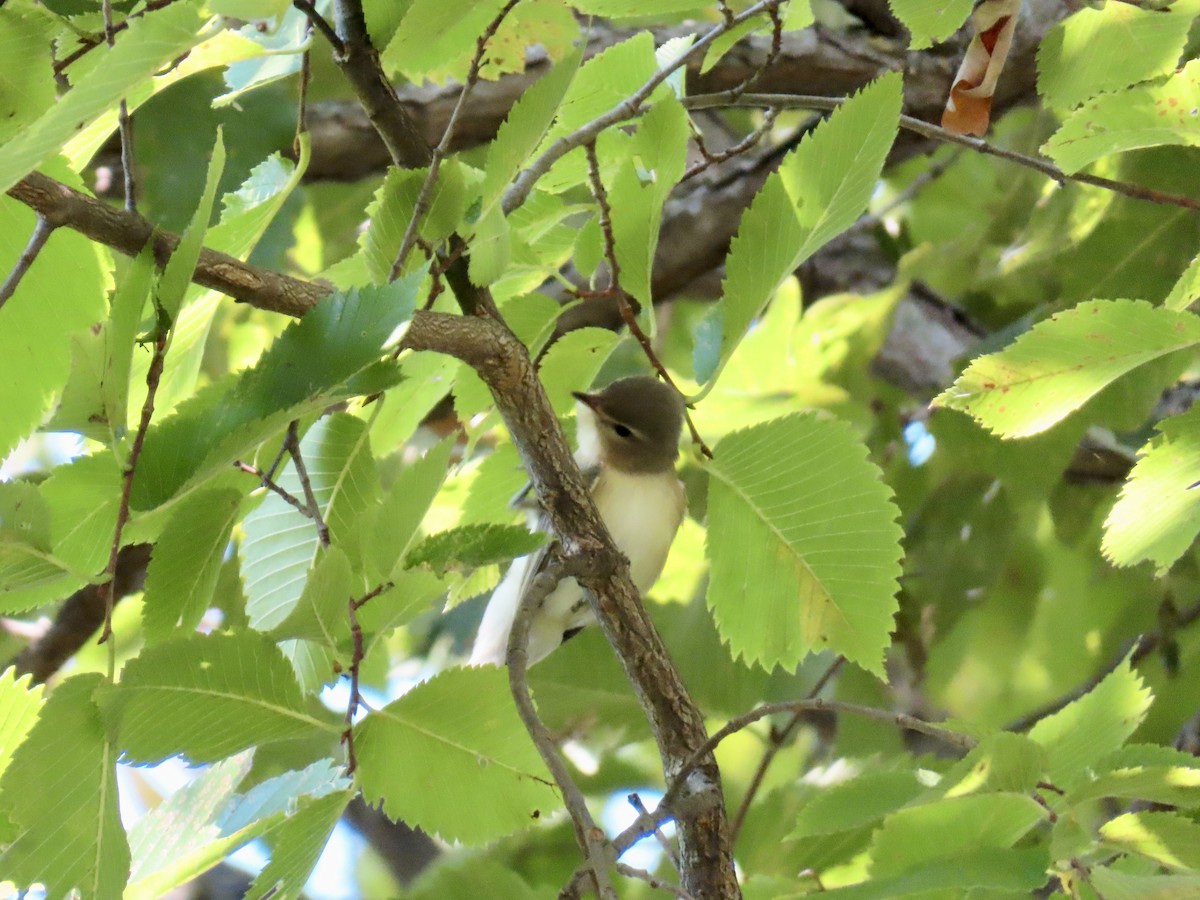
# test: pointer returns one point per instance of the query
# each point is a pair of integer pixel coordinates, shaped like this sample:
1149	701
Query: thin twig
153	376
89	44
663	841
645	825
779	737
292	441
270	484
425	196
356	700
319	22
41	233
623	305
124	125
302	99
628	108
657	883
747	143
773	54
597	853
935	171
934	132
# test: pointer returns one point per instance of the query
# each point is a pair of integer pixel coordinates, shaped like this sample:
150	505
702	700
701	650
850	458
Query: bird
628	439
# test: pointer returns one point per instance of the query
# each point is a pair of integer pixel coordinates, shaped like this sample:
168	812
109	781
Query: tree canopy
296	298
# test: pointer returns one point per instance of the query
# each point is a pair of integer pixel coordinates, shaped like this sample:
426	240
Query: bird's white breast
642	513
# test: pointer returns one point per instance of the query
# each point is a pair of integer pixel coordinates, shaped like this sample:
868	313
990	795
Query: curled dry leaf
970	102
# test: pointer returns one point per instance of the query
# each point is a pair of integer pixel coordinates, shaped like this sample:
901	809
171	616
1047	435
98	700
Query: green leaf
321	614
803	542
1172	785
28	567
392	528
1007	872
821	188
433	31
930	21
491	248
83	497
1000	762
177	273
573	362
603	81
472	546
27	89
1055	367
185	563
205	697
1115	885
1093	726
431	755
148	44
205	821
933	832
168	836
658	154
1187	289
1110	47
525	126
857	802
119	339
1138	117
297	847
305	366
35	348
20	703
60	791
1156	517
392	208
281	543
1165	837
282	55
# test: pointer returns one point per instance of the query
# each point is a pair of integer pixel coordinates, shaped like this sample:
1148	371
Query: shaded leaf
472	546
205	697
186	560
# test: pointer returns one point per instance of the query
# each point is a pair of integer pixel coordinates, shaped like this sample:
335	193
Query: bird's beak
591	401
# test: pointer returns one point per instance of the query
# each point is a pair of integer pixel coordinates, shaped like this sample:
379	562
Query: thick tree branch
81	616
706	864
127	232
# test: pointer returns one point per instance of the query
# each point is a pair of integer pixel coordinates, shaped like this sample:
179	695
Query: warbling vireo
628	437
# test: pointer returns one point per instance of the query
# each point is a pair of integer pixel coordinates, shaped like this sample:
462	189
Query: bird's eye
622	430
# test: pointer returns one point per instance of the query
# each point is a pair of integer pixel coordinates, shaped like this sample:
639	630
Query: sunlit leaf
803	542
1109	47
1166	113
1094	725
431	754
69	831
205	697
1165	837
149	43
818	192
1055	367
20	703
930	22
1157	516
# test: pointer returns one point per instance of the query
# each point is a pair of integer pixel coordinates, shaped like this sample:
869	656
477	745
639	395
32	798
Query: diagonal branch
597	854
